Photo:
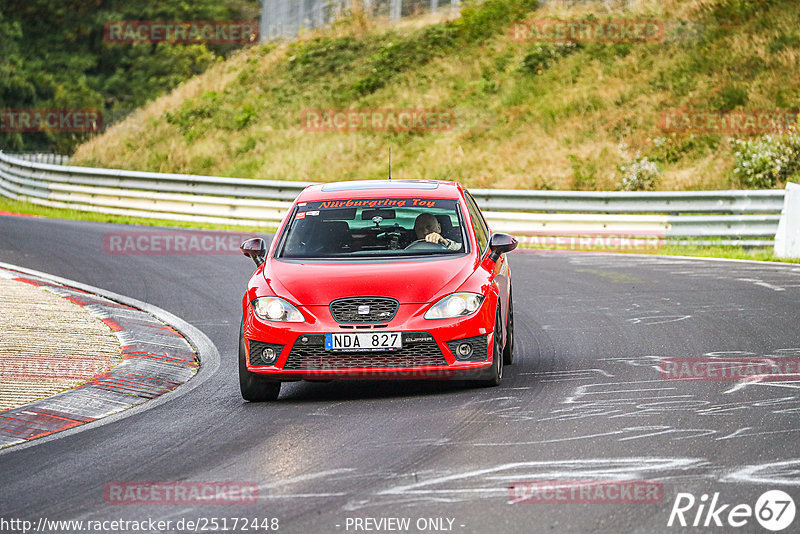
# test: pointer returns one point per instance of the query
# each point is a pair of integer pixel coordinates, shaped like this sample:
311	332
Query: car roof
389	188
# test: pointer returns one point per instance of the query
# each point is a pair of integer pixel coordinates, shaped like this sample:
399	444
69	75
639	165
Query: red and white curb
156	360
14	214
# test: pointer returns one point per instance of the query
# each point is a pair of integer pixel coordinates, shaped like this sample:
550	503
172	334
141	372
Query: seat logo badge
363	310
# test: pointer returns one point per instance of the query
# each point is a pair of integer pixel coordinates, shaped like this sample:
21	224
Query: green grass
729	252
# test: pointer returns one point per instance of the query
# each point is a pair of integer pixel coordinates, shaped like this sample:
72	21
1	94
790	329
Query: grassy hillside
538	116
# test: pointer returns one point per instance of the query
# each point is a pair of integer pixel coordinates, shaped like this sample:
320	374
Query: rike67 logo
774	510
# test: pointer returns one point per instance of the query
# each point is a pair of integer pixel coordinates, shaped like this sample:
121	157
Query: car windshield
379	227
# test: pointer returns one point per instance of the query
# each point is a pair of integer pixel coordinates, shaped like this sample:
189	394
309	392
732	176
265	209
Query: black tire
497	354
254	388
508	350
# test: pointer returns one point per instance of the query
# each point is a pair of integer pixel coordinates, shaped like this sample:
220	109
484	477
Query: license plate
363	341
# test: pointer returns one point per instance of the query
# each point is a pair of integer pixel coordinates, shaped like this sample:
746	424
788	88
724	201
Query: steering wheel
422	246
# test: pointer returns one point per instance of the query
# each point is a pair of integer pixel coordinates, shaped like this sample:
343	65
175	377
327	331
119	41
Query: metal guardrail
42	157
737	202
748	217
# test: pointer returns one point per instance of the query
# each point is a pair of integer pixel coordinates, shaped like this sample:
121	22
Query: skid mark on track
700	409
651	361
310	485
785	473
305	478
325	410
493	482
759	282
555	327
623	434
596	313
568	375
658	319
775	277
450	486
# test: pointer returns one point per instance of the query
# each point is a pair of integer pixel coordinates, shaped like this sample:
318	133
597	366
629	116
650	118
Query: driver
427	227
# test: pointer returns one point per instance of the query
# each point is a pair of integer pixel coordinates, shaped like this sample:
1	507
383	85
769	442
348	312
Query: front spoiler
472	371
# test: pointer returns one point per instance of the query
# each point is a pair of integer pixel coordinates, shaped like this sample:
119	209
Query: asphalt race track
584	401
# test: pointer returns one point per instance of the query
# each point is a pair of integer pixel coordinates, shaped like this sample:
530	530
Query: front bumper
428	353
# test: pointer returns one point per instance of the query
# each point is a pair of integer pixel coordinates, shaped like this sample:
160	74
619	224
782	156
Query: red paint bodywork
417	285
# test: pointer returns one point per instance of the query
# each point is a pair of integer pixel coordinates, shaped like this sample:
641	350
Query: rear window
373	228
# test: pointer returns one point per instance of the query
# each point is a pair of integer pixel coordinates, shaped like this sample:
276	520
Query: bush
323	56
674	148
738	10
639	173
767	161
481	19
194	117
542	55
401	54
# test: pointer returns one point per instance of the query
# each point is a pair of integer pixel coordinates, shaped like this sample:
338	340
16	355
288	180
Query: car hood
310	284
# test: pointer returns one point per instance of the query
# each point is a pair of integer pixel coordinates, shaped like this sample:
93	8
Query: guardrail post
787	238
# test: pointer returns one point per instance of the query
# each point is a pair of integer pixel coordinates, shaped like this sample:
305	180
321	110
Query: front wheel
254	388
497	354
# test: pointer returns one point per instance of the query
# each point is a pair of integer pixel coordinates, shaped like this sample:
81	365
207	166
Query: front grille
257	352
478	345
380	309
311	354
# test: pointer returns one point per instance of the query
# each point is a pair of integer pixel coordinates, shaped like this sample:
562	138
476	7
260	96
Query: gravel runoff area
48	344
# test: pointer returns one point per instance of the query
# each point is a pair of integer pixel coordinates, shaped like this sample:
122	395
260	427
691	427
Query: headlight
277	309
455	305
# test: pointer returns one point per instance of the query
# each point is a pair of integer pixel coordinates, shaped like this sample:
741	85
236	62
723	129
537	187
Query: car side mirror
256	249
501	243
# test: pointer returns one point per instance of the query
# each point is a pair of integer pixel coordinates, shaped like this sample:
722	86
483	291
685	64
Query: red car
397	279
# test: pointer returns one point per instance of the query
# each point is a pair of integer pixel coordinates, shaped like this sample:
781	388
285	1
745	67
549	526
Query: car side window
481	230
